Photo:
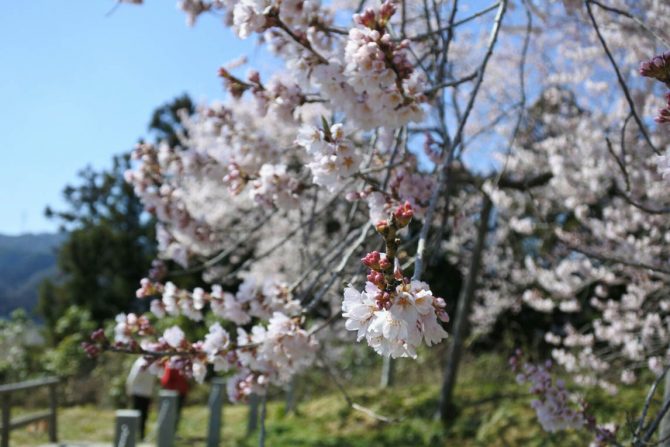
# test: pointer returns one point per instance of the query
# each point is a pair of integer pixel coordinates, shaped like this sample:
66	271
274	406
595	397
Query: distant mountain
24	261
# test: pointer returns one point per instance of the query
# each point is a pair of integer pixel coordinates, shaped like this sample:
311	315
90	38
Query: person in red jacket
174	379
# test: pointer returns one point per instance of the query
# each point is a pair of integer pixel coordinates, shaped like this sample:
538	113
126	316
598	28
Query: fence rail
7	424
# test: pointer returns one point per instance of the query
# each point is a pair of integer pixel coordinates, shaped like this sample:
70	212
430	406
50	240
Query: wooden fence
128	421
8	424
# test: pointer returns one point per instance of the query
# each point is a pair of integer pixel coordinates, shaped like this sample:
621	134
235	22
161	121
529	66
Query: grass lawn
493	411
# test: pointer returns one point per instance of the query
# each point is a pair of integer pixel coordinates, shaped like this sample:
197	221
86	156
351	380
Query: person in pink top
174	379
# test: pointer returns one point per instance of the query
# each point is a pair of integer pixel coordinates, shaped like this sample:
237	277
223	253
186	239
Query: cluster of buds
131	324
664	113
378	264
383	272
659	68
402	216
148	288
99	340
393	53
234	85
395	319
372	20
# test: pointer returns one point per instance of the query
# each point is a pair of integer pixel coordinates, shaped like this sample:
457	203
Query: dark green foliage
165	121
111	241
109	248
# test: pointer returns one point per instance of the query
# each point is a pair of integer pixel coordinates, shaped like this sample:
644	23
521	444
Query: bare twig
609	257
622	81
338	270
619	162
424	36
647	402
641	206
444	166
633	18
347	397
448	84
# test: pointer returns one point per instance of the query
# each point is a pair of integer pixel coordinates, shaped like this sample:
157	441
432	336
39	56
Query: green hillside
24	261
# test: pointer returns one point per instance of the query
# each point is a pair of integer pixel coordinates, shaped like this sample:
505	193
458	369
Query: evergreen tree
111	241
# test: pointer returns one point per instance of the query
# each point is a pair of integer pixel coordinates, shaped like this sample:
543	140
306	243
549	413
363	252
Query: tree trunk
459	328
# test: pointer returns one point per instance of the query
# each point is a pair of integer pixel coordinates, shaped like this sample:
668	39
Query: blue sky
77	87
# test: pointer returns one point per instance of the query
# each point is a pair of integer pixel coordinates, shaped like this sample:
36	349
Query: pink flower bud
371	260
254	77
384	264
664	114
92	351
376	278
352	196
386	10
99	336
382	227
223	73
366	18
657	68
403	214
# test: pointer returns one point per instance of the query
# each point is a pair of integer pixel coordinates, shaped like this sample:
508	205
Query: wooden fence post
5	420
127	428
167	418
388	372
215	403
252	423
290	396
53	419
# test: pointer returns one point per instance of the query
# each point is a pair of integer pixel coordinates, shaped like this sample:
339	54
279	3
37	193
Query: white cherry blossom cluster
254	298
234	141
167	200
379	70
405	185
279	99
268	355
580	222
334	158
393	314
408	316
274	186
129	325
255	16
249	17
588	211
